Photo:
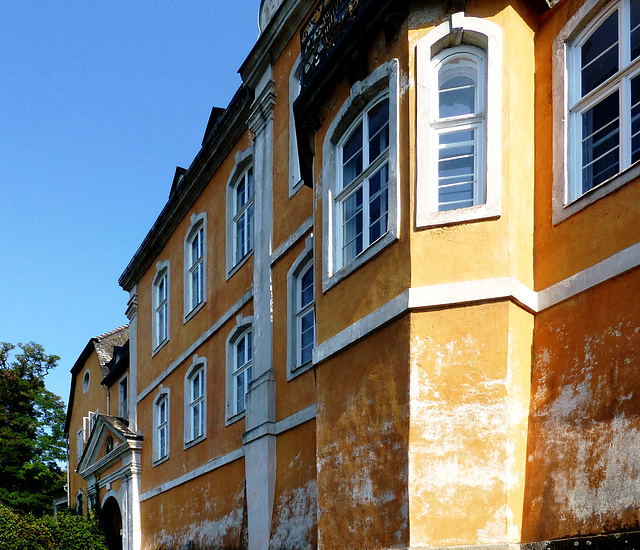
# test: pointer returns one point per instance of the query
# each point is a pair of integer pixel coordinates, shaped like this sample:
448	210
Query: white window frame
243	162
123	400
242	327
299	267
567	107
79	444
197	230
455	37
295	180
163	270
159	425
382	82
198	368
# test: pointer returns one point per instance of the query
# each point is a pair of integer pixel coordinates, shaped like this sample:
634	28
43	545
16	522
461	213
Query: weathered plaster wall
469	397
208	512
583	473
295	510
362	435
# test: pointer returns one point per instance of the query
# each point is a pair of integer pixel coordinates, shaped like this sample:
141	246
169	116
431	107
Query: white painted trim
231	312
467	292
276	428
292	239
213	464
488	37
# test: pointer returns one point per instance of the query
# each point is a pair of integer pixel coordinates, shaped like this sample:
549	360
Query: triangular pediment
96	457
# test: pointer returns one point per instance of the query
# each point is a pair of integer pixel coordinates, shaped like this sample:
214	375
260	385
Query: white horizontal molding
482	290
276	428
213	464
229	314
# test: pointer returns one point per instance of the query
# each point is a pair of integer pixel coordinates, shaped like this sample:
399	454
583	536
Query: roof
103	345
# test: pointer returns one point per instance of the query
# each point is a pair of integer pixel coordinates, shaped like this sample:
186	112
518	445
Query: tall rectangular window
123	390
604	98
162	427
305	316
243	215
196	412
196	267
363	202
161	310
459	128
243	355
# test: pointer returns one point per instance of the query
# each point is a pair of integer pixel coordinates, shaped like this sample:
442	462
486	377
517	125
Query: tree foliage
32	445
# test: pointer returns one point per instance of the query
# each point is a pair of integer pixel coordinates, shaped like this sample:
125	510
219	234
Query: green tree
32	444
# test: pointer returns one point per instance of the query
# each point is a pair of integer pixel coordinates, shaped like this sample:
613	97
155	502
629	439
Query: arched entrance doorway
111	523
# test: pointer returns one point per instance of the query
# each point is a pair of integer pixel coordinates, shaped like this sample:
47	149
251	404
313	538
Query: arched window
459	122
459	126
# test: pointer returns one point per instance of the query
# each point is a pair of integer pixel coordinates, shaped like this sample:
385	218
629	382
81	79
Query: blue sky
99	102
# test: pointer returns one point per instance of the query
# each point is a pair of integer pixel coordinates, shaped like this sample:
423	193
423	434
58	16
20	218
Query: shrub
67	532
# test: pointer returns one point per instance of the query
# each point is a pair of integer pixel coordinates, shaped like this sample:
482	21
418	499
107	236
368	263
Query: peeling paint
296	515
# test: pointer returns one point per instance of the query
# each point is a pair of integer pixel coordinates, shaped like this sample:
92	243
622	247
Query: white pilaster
260	453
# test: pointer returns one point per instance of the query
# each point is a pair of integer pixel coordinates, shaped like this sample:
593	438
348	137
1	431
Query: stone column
259	439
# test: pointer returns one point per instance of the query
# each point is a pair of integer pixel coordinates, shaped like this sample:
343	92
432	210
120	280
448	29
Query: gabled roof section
103	426
118	365
103	345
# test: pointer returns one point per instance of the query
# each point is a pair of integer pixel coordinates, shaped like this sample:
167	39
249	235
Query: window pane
240	238
600	142
635	119
249	346
241	195
378	129
240	353
306	288
306	337
456	170
378	203
457	82
635	28
250	184
352	156
600	54
249	245
353	222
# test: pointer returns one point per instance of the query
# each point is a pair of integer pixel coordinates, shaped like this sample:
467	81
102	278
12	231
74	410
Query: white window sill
193	312
235	418
460	215
159	346
188	444
160	461
562	212
362	258
237	266
297	371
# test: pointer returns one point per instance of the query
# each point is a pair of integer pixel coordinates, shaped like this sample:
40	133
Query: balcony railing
329	21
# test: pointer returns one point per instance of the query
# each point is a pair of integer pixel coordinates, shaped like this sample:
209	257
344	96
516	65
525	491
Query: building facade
392	302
